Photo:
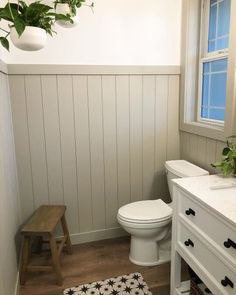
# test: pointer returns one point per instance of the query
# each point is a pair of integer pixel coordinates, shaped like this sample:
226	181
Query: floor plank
96	261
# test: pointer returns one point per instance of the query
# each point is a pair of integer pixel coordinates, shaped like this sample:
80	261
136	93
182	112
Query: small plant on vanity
28	24
228	163
70	8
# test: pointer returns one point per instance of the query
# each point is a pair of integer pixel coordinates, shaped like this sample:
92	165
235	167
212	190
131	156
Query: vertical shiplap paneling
219	148
110	150
185	146
193	148
52	139
98	142
200	150
210	153
9	203
149	93
136	122
97	151
123	143
37	139
161	104
83	152
173	141
7	147
67	128
20	123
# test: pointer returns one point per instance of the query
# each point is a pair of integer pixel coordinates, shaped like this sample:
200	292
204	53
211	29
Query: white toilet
149	222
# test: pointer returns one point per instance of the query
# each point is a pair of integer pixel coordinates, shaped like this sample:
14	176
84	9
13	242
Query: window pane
219	23
217	114
218	90
212	24
218	65
222	43
214	89
204	113
223	18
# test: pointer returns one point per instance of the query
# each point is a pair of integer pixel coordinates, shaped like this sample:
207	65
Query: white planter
63	8
32	39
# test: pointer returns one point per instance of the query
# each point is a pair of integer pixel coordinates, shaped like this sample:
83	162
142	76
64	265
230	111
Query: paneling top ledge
22	69
3	67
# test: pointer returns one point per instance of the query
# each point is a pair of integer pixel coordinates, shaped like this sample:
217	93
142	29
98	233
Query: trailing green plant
74	4
20	15
228	163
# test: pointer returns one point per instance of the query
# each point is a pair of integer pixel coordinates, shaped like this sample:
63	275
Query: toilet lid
146	211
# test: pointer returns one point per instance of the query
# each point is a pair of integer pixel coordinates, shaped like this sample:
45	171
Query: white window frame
193	54
205	56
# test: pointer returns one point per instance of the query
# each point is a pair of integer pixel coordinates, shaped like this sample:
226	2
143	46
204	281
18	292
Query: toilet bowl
149	221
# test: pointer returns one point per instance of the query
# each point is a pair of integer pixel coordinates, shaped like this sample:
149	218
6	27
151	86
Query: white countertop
222	200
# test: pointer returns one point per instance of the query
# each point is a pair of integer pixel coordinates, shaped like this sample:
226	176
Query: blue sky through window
214	89
219	22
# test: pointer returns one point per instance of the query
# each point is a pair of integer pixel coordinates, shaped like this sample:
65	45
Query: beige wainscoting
10	217
200	150
93	142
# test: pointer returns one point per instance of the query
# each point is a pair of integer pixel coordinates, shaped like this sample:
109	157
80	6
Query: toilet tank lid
182	168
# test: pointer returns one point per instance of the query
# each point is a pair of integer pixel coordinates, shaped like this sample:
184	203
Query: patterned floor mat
132	284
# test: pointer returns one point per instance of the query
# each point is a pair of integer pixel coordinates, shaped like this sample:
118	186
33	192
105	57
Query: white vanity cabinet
204	233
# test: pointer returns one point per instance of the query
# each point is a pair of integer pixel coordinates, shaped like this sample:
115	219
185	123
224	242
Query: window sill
202	129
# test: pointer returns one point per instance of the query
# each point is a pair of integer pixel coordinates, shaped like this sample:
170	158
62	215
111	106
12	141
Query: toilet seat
145	212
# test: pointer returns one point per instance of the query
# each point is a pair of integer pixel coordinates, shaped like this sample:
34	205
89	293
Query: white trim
3	67
21	69
205	130
97	235
17	284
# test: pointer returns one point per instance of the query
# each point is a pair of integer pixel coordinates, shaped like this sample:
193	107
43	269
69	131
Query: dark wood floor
96	261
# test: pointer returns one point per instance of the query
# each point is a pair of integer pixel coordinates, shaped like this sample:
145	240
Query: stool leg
25	259
55	260
66	233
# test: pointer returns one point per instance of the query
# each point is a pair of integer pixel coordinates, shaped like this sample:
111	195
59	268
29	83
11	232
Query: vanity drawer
222	234
222	277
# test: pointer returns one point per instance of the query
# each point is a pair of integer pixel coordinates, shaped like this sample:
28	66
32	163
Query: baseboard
97	235
17	285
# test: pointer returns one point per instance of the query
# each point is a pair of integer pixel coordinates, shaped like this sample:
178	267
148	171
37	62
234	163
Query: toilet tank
179	169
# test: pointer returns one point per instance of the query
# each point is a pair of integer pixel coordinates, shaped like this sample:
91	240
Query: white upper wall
120	32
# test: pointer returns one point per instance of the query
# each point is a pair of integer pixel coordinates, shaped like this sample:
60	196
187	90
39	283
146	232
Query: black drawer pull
227	282
189	243
229	243
190	211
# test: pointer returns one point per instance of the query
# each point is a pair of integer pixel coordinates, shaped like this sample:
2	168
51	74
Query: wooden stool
43	224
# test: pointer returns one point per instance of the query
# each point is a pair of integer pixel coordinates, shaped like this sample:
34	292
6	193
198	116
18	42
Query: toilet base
164	257
149	253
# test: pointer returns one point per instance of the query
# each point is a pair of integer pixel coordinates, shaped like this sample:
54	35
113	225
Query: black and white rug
132	284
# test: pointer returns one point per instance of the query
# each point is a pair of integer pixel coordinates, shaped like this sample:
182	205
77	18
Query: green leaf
63	17
217	164
5	13
19	24
4	43
225	151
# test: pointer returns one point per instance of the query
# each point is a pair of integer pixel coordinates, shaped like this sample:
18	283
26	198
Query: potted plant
69	8
228	163
28	24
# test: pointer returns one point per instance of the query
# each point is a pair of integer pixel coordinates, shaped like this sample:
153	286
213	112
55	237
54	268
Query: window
208	68
215	27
